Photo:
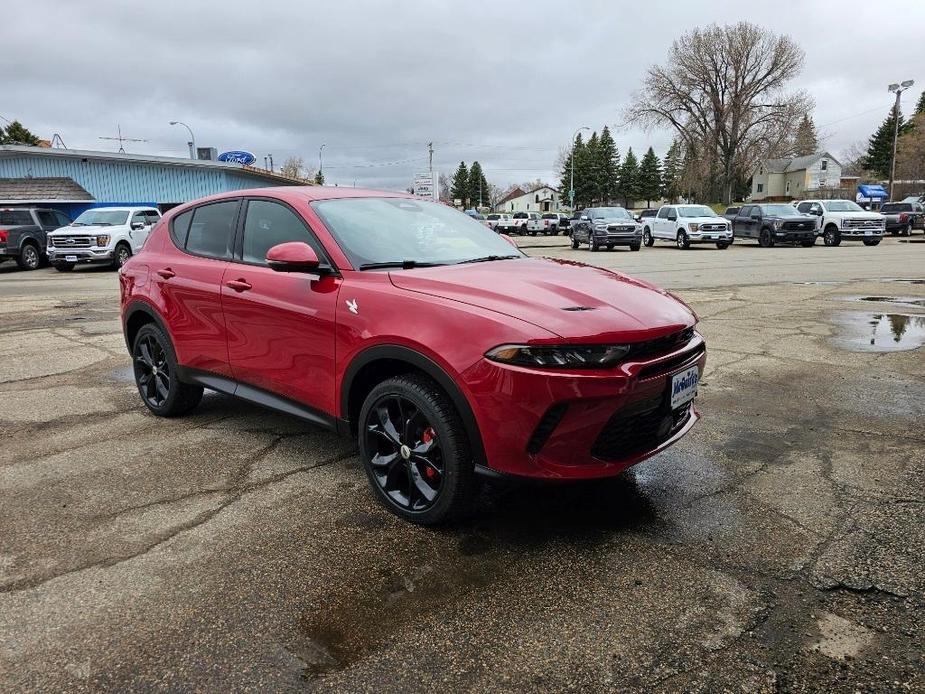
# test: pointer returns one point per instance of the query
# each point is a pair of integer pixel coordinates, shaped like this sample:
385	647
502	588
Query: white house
793	177
542	199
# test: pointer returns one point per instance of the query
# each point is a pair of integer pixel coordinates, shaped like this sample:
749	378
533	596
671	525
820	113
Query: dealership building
72	180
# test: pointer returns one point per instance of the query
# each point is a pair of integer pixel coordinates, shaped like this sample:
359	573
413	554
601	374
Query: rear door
280	324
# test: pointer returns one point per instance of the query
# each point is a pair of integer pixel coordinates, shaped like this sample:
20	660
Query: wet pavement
777	548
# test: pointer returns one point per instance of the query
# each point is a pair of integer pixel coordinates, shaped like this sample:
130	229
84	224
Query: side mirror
672	218
138	225
293	256
818	213
584	218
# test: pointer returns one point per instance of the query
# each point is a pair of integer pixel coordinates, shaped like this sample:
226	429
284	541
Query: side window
816	207
268	224
671	213
211	229
46	218
803	207
825	164
140	217
63	219
662	213
760	188
179	228
153	217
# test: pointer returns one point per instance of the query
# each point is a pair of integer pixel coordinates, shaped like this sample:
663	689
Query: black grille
660	345
799	226
671	364
547	425
639	427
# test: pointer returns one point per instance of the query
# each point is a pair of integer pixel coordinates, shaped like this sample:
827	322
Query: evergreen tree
650	177
609	166
459	189
590	189
478	185
880	146
920	106
671	173
17	134
629	178
578	152
805	141
319	178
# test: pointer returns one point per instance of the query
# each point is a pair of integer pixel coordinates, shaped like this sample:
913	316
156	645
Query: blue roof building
74	180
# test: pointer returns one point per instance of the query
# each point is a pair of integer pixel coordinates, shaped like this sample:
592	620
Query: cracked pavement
777	548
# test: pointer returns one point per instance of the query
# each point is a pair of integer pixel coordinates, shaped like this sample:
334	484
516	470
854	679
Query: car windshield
101	218
695	211
896	207
771	210
842	206
404	231
610	213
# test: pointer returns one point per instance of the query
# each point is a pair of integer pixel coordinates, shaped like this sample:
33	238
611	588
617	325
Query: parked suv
606	227
501	222
687	224
102	235
23	231
844	220
406	324
774	223
903	217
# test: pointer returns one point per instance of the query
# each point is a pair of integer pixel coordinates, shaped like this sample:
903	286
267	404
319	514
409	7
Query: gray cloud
505	83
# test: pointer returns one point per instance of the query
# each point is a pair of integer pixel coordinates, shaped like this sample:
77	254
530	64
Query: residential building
793	178
74	180
541	199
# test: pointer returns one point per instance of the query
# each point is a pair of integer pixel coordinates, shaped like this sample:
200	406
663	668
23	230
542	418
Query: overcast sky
506	83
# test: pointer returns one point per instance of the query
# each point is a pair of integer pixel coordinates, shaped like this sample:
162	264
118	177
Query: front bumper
617	238
579	425
709	236
80	256
791	236
861	233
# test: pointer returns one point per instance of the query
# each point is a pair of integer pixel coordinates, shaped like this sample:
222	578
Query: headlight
102	240
778	223
693	227
559	357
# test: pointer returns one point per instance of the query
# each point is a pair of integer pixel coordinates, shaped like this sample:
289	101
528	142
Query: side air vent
544	429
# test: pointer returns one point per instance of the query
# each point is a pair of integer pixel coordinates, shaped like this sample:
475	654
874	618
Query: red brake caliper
428	436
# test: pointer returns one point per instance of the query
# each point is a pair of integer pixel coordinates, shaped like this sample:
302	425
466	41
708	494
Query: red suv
446	351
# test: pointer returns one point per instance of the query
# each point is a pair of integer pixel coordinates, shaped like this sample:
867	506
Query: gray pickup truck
903	217
23	232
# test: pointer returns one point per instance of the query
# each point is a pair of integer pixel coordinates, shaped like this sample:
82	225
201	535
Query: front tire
765	240
871	242
64	267
121	255
683	242
155	367
416	452
647	237
831	236
30	257
808	244
574	243
722	245
635	246
908	230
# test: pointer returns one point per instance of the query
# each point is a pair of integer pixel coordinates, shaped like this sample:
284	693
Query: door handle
238	285
166	273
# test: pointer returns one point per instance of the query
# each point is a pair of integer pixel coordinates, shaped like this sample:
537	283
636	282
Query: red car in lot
442	348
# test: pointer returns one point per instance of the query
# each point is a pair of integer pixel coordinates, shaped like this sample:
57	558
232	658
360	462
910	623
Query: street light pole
571	192
320	162
192	138
899	89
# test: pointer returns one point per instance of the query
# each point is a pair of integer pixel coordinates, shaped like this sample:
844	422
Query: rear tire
155	367
429	446
908	230
593	246
30	257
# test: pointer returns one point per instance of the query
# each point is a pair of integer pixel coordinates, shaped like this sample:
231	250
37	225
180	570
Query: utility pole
430	155
192	138
321	162
271	161
899	89
571	192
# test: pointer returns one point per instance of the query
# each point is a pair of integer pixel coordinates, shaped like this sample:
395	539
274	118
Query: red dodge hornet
446	351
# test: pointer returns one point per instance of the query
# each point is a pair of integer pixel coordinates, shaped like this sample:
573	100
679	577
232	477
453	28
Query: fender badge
352	305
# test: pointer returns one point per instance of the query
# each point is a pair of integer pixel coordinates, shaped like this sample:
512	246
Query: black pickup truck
774	223
22	234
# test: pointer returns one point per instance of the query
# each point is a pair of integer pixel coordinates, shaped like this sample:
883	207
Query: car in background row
289	298
23	233
903	217
501	222
731	213
772	223
606	227
688	224
528	223
840	220
646	215
554	222
478	216
101	236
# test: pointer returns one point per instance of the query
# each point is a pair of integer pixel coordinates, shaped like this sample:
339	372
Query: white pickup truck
841	220
529	222
101	236
687	224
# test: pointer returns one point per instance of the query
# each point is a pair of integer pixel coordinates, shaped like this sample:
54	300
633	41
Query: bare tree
723	89
852	160
292	167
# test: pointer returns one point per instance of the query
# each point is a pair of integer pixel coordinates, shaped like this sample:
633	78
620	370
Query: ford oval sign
237	157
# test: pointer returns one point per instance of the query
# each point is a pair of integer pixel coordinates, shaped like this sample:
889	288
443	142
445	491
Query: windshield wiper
403	264
488	258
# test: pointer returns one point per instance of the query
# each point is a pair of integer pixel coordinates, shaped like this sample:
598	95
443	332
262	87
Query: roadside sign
425	185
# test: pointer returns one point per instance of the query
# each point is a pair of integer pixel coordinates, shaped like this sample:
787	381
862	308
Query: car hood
703	220
864	214
613	220
792	217
575	301
89	228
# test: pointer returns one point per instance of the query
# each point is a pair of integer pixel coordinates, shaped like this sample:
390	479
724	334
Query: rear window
15	218
549	216
520	215
897	207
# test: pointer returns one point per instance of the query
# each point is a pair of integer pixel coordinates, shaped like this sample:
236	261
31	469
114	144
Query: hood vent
578	308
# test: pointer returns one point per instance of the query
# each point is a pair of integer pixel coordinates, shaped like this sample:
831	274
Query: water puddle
880	332
901	300
901	279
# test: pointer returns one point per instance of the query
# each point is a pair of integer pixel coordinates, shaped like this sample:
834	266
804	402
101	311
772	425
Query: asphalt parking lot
778	547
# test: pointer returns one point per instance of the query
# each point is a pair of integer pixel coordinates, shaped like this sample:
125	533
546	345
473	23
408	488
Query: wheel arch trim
133	309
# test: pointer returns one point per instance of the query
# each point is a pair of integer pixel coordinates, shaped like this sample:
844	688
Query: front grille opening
548	424
637	428
660	345
670	364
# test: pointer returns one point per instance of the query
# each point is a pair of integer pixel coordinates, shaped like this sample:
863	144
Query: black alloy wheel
831	237
765	240
155	367
415	450
682	240
647	237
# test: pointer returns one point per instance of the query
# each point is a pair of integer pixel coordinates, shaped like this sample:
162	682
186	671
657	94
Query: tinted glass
46	218
179	227
140	217
268	224
662	213
101	217
610	213
896	207
63	219
779	210
695	211
803	207
387	230
549	216
211	229
842	206
153	217
15	217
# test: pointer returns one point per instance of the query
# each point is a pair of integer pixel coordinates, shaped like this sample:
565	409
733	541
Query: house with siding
540	199
74	180
793	178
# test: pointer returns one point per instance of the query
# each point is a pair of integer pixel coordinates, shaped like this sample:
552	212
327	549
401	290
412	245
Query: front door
280	325
139	228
